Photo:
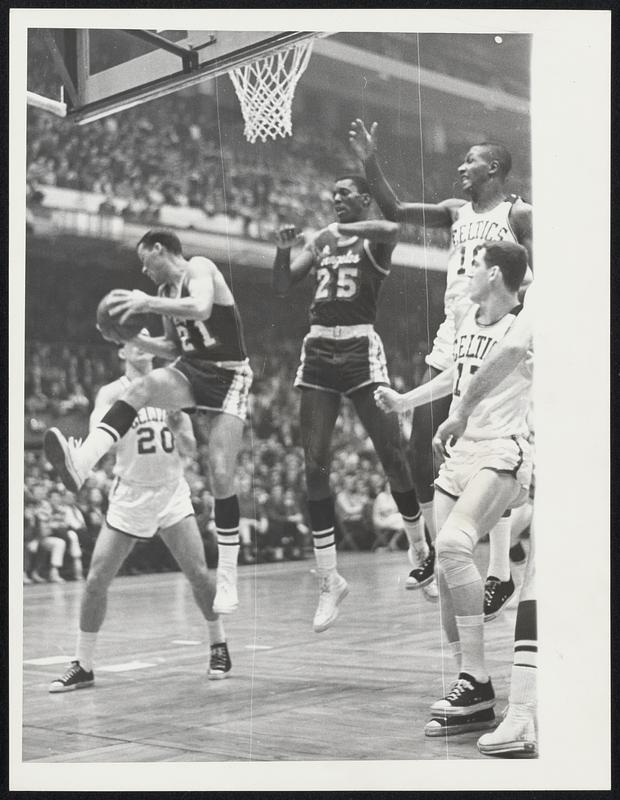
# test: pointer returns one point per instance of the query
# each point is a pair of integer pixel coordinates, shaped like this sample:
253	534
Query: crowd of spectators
170	152
60	528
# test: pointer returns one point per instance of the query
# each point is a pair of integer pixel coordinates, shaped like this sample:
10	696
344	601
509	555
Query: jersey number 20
146	440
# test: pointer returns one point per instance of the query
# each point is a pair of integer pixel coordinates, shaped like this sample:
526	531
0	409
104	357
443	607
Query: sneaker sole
56	455
446	726
520	749
463	711
325	625
218	676
416	584
60	689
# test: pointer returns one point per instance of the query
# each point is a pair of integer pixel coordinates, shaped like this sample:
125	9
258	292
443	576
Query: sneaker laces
219	657
461	686
73	670
490	588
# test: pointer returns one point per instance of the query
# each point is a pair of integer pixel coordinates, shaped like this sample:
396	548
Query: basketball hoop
265	89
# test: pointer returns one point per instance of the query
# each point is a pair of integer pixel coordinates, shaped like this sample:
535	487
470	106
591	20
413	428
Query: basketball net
266	88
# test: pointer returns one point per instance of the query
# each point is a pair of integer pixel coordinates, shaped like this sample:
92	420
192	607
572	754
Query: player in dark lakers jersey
488	215
203	337
343	355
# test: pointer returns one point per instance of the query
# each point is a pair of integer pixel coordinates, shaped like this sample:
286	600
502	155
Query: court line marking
186	641
43	662
127	666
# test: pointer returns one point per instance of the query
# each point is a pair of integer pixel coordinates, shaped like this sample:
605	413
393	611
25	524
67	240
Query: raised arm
375	230
521	221
285	272
436	215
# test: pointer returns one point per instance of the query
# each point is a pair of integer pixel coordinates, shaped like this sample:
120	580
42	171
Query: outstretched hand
362	141
288	236
448	432
128	303
389	400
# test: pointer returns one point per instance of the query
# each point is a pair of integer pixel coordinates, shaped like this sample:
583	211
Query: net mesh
266	88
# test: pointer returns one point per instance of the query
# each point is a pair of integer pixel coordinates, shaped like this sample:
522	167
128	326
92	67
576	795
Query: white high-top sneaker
333	589
514	737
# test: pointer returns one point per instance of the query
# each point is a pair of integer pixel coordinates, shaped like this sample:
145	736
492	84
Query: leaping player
149	494
488	471
210	373
343	355
488	216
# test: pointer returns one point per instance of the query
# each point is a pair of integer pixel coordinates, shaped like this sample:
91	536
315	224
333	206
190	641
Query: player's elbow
392	232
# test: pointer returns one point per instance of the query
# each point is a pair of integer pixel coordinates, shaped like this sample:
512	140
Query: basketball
110	327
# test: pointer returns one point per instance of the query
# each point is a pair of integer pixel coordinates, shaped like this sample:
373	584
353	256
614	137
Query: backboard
106	70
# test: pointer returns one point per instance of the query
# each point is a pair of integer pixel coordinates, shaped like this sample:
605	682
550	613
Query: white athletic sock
94	447
85	651
471	634
429	517
455	649
325	550
228	551
414	528
499	548
215	628
523	686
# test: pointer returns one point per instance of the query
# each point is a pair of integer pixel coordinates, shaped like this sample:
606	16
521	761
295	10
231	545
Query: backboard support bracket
188	55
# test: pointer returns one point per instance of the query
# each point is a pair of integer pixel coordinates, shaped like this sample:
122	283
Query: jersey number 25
338	284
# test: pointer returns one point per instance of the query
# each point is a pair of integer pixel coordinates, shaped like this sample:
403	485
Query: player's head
157	250
135	356
484	162
497	267
351	197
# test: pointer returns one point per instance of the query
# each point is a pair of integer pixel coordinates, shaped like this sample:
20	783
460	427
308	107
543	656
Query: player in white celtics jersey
516	734
488	470
149	495
487	215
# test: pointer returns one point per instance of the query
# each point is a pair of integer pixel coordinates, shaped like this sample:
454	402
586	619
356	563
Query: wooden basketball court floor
360	690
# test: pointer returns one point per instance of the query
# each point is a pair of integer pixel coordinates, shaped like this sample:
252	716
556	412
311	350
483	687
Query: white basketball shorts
140	511
467	458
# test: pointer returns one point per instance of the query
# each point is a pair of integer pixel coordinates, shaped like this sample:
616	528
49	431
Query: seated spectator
387	522
57	523
350	507
252	520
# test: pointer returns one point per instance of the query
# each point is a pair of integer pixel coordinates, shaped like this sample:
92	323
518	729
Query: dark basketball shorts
217	387
342	359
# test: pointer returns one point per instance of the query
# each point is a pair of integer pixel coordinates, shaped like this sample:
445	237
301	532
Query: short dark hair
511	258
498	152
359	180
167	239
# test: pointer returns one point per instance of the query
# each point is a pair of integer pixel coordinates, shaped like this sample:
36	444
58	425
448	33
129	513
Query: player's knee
221	478
97	582
455	550
317	470
395	466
